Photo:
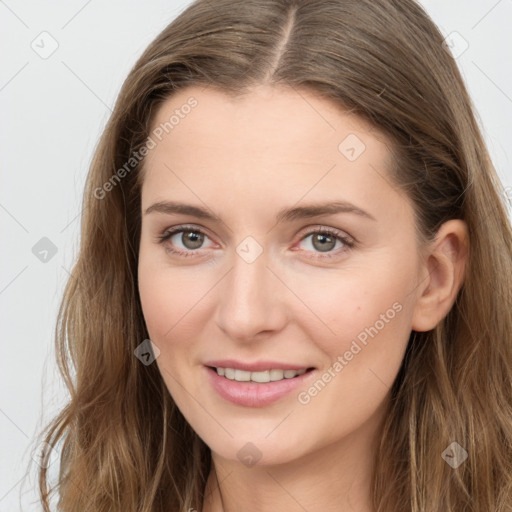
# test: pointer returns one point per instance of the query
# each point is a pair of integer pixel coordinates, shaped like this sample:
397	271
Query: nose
252	301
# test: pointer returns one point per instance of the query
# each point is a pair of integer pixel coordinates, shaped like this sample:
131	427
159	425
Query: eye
324	241
190	238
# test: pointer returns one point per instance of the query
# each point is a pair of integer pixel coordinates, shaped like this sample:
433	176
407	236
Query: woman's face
292	250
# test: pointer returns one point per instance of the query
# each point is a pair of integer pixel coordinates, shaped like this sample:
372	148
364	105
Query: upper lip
256	366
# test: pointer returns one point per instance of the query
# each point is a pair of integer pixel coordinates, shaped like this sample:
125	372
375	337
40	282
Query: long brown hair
125	445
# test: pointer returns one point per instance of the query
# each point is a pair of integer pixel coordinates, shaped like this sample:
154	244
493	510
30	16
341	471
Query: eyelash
349	243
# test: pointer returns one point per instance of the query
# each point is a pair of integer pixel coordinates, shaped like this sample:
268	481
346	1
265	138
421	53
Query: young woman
294	287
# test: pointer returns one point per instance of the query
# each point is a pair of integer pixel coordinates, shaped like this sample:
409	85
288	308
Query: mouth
260	377
258	388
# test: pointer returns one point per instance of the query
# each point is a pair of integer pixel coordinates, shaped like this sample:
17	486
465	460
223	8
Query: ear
442	270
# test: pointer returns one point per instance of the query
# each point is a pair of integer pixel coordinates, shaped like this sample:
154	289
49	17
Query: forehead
273	142
275	116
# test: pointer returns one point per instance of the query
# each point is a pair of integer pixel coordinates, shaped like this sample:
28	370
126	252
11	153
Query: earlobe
443	272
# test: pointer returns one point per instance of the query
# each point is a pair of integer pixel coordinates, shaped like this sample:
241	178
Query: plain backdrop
53	109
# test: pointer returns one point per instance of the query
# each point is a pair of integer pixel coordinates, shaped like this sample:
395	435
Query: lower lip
252	394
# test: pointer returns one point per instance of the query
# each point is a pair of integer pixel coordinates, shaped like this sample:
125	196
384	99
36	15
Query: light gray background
53	111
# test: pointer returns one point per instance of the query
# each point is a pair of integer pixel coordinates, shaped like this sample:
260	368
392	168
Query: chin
256	450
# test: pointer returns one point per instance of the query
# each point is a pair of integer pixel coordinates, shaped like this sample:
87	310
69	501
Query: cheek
371	320
360	304
373	327
158	293
175	303
168	309
156	301
366	318
162	301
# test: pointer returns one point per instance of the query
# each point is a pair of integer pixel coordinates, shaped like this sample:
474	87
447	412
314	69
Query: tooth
260	376
276	374
242	375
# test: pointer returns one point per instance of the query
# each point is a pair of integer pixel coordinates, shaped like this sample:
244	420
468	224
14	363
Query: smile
256	388
272	375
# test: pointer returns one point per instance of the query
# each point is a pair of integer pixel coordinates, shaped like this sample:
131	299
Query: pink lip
252	394
259	366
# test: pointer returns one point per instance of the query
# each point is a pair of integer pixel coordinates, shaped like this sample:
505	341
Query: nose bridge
250	301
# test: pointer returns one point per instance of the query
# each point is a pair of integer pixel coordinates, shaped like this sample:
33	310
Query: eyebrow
287	214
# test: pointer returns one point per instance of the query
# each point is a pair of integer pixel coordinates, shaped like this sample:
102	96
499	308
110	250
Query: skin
245	160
